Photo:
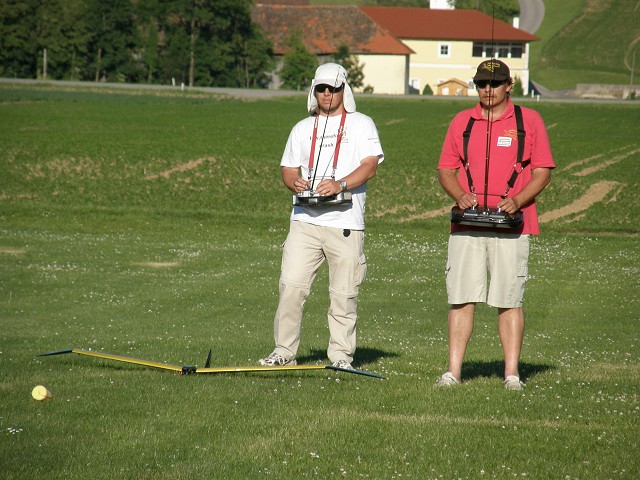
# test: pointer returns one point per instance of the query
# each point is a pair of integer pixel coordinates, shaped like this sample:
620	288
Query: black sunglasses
322	87
482	84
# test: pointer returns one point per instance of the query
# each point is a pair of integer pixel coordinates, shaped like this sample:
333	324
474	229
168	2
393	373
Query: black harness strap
517	168
520	165
465	148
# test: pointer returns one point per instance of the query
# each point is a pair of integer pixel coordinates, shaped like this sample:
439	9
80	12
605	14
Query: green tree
299	64
18	48
256	58
112	46
200	22
213	43
516	90
503	10
246	52
350	63
62	30
147	39
198	42
173	44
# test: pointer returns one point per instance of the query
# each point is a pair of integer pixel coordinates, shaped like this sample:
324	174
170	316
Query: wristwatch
343	185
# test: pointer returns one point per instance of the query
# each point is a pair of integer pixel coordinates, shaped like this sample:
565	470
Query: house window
516	51
444	50
503	50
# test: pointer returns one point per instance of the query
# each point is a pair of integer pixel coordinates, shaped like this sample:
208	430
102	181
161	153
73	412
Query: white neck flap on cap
335	75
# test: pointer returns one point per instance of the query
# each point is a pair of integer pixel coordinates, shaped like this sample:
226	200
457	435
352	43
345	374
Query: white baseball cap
334	75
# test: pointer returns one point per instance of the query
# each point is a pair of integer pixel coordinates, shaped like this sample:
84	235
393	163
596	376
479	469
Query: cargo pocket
522	273
447	270
361	270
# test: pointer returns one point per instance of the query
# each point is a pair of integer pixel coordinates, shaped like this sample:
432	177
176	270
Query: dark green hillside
595	45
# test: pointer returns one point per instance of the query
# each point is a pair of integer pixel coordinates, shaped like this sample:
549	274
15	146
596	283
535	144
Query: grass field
150	225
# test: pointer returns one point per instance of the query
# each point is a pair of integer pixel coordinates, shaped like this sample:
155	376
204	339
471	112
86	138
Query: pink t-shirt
503	155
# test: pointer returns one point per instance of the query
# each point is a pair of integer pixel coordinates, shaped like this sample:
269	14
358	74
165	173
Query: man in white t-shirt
328	158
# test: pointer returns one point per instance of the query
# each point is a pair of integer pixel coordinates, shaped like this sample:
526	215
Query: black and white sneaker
343	364
277	360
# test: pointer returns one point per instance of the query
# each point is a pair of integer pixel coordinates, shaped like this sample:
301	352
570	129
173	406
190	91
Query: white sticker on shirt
504	141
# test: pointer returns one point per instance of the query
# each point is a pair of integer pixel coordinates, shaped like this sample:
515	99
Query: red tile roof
428	24
325	28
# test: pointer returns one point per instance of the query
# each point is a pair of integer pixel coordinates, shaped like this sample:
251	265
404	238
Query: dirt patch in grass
12	251
183	167
158	264
619	154
596	193
64	167
605	164
430	214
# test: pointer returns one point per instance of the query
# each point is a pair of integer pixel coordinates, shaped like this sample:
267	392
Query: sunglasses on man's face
482	84
322	87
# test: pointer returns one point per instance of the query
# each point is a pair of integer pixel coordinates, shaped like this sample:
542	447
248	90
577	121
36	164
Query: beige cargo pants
306	248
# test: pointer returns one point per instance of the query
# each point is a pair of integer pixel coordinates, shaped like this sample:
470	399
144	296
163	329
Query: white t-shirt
359	141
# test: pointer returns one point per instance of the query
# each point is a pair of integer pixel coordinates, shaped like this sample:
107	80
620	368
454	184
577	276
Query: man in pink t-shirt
475	249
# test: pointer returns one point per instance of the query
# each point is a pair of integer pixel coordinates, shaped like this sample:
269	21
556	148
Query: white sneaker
446	380
343	364
277	360
513	382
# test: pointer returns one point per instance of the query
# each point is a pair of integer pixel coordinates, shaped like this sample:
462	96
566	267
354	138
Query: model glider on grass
187	369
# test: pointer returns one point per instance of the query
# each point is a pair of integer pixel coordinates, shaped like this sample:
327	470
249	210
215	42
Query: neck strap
337	149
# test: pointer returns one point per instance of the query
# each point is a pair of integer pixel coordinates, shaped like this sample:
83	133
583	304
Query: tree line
191	42
195	42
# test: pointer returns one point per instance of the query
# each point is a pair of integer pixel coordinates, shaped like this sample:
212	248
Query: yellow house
450	44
